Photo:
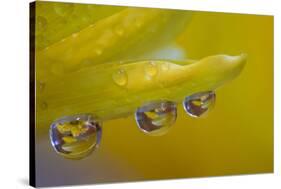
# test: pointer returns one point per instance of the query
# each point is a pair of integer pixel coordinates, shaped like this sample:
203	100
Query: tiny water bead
75	137
120	77
151	69
198	104
155	118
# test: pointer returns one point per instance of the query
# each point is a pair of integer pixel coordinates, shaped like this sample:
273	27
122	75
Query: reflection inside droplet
155	118
75	137
200	103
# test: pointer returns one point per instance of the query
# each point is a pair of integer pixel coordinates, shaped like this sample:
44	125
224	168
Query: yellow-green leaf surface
235	137
98	66
55	21
122	36
111	90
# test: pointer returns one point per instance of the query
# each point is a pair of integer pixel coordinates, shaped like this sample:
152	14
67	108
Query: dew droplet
120	77
151	69
75	137
198	104
155	118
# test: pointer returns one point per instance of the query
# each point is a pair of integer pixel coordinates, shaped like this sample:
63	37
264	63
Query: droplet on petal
120	77
151	69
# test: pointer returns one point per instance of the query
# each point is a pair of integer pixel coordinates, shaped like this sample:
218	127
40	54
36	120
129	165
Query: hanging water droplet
200	103
155	118
151	69
120	77
75	137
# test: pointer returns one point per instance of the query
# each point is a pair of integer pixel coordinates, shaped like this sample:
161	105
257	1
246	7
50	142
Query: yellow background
235	138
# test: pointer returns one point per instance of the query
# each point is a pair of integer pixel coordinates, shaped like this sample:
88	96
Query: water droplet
120	77
75	137
151	69
155	118
200	103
